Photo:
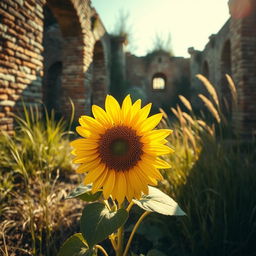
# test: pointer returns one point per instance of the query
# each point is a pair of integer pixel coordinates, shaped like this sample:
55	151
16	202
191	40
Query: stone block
4	13
16	14
3	127
23	80
7	103
14	97
29	64
14	47
9	52
22	56
7	77
8	109
3	97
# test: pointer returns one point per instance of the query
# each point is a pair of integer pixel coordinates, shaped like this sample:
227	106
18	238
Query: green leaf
75	246
97	222
84	193
157	201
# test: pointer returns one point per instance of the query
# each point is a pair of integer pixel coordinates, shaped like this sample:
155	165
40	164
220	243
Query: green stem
120	235
113	242
130	206
102	249
133	232
120	238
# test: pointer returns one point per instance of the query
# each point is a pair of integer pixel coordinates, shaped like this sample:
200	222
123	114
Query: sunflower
120	150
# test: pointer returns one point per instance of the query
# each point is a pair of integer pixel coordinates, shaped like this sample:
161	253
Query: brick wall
213	57
21	66
175	70
232	50
21	54
243	31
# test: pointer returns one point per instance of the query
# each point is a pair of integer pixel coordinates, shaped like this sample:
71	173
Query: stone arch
53	62
205	69
67	16
159	81
72	55
99	75
226	96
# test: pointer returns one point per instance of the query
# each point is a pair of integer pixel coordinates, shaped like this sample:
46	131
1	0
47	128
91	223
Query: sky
188	22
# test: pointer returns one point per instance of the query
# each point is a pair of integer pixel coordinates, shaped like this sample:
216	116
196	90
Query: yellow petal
120	186
83	156
135	108
147	177
91	124
143	180
94	174
158	150
126	106
83	131
130	189
84	144
89	165
82	168
157	135
101	116
162	164
86	152
132	114
109	184
151	170
99	182
78	142
150	123
113	109
137	186
142	115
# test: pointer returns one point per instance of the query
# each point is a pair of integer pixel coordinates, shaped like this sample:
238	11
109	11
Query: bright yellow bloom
120	151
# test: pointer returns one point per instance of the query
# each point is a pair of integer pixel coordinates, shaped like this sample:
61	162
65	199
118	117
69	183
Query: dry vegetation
36	175
213	179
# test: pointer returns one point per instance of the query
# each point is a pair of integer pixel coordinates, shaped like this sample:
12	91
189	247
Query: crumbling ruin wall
243	49
209	63
21	57
140	72
232	51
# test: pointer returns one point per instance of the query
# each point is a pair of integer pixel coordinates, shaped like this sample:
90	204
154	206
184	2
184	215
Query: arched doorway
99	71
53	58
65	56
52	90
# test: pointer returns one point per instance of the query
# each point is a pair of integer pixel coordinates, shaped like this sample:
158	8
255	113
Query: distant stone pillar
118	85
243	52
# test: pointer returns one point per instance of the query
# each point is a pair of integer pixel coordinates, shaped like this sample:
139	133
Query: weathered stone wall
100	85
233	51
141	70
21	66
243	48
21	57
209	63
118	65
69	55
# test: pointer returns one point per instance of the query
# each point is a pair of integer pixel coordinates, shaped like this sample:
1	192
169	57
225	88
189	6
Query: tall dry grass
36	175
213	179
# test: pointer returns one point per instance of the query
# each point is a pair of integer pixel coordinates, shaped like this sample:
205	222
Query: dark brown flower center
120	148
